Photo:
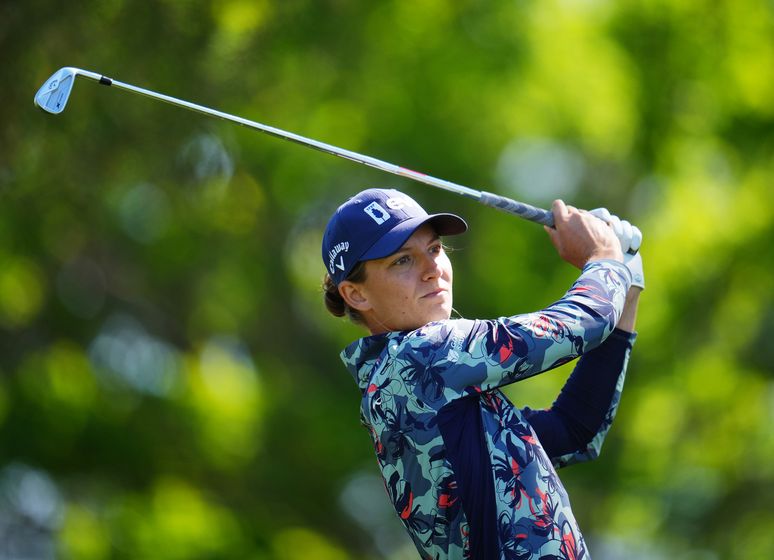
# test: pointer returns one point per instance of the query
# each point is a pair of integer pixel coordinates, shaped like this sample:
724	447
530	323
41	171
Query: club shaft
520	209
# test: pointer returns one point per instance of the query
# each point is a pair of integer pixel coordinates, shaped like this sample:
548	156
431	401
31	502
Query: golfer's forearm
629	315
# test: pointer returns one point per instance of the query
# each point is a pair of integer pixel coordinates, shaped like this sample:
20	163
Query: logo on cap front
377	213
399	203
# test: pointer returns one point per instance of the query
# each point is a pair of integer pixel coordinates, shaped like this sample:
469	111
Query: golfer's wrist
629	315
607	254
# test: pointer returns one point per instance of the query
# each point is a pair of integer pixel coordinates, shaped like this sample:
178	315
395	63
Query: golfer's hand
580	237
630	237
628	234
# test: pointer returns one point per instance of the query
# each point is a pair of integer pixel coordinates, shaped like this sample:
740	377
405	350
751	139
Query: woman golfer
469	474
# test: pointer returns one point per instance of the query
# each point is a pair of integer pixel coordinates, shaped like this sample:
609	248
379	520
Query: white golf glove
634	264
629	235
630	238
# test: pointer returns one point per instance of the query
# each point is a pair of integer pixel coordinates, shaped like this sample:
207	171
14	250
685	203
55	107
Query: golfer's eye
436	248
401	260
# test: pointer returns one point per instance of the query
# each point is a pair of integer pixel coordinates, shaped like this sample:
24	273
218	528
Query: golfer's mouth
435	293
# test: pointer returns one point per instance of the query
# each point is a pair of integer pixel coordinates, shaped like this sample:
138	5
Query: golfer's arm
493	353
629	315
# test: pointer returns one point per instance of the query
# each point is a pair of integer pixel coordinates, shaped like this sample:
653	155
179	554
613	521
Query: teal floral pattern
407	377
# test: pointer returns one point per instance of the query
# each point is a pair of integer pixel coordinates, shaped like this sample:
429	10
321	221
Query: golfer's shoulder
441	332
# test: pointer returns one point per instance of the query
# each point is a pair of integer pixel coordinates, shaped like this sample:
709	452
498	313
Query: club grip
526	211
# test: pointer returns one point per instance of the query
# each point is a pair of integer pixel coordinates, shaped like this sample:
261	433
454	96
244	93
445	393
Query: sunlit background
170	386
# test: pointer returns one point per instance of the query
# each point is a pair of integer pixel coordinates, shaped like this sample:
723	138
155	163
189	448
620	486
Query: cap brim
444	224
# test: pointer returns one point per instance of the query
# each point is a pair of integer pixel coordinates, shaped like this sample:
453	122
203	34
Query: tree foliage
169	380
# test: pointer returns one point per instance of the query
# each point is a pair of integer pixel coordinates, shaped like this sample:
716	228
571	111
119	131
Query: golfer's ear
354	296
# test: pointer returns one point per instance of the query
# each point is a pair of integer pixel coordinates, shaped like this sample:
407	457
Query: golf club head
54	93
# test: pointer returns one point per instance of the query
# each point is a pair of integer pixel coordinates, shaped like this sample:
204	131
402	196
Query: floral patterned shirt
407	377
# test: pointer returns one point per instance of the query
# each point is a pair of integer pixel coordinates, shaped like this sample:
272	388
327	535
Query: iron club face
54	93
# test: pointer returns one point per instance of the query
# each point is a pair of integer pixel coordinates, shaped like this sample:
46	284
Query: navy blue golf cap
374	224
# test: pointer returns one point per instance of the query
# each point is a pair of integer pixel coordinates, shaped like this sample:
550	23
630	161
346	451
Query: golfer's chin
439	311
427	311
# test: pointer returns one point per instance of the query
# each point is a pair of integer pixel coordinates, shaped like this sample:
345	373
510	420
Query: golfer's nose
432	267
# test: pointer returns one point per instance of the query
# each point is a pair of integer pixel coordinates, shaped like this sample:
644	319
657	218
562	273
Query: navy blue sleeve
580	410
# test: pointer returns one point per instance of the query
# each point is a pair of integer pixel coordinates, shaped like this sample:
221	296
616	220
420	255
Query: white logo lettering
400	203
377	213
456	346
342	247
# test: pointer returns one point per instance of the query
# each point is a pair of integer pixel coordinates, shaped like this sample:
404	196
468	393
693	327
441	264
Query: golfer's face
411	287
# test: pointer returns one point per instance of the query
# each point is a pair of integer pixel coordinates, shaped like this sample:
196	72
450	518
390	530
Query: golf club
54	93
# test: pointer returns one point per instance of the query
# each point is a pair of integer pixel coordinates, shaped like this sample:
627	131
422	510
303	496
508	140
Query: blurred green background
170	386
